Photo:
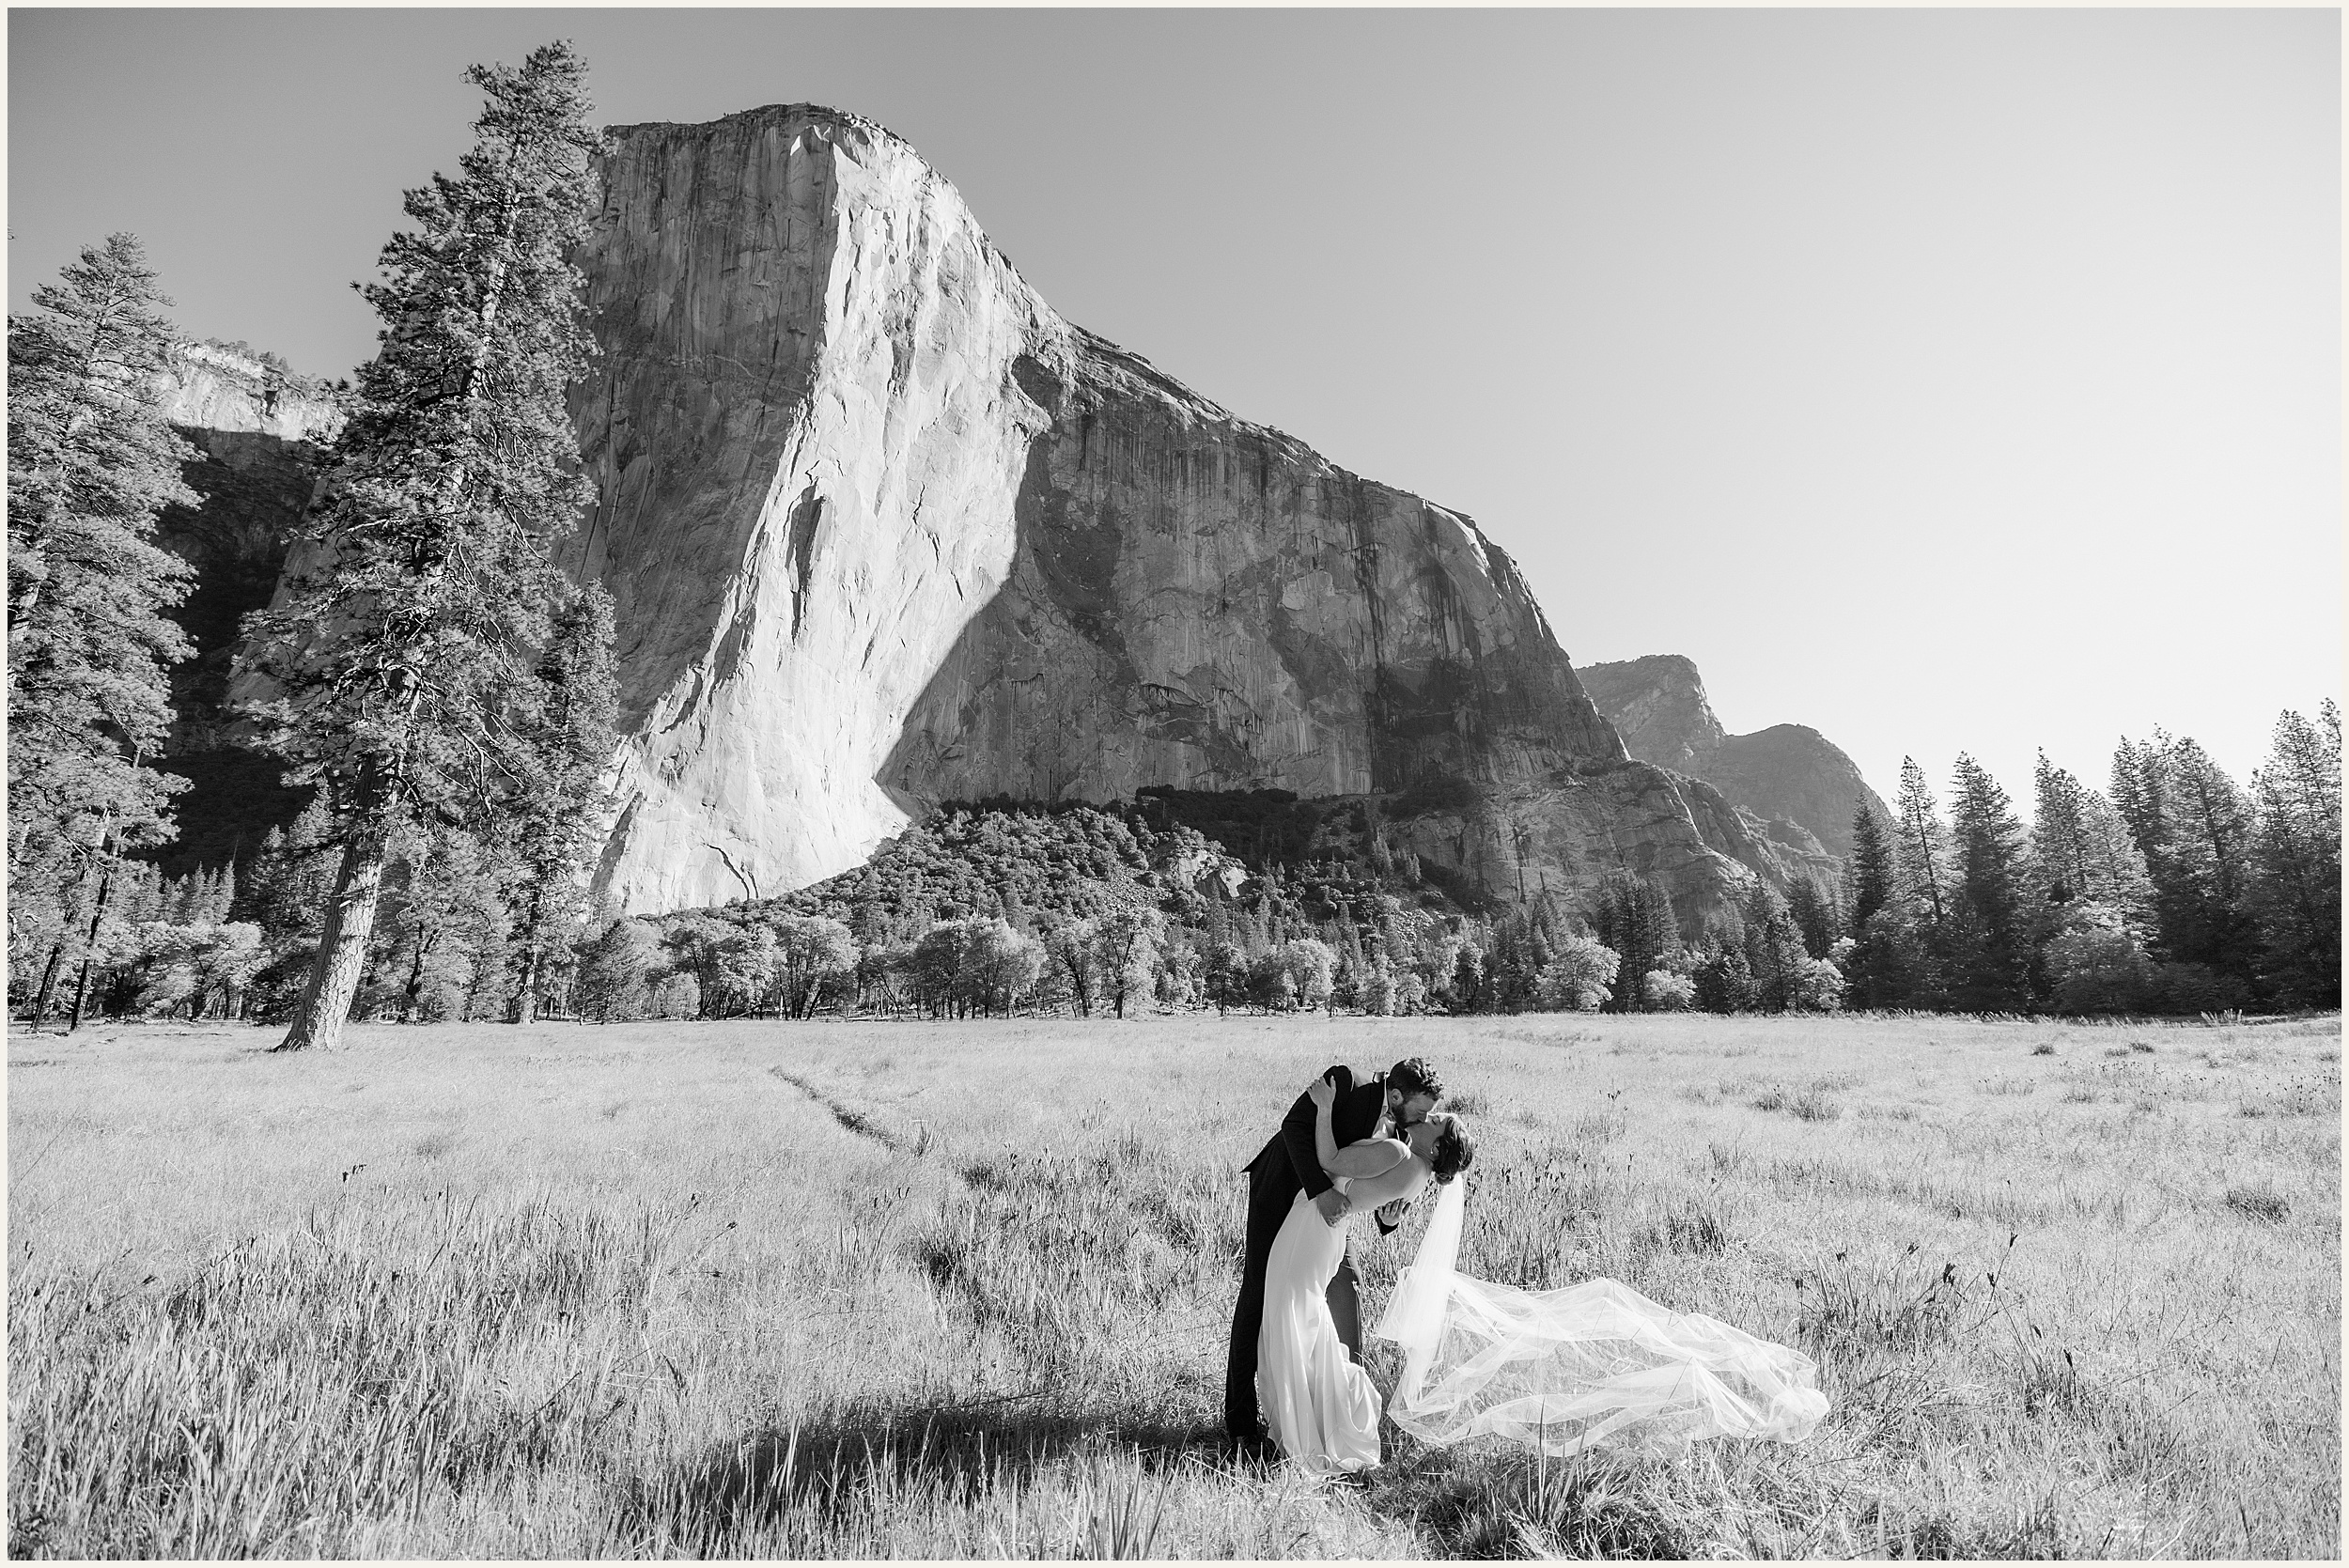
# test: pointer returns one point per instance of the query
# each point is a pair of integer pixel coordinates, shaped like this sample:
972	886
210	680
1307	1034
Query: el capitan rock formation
884	530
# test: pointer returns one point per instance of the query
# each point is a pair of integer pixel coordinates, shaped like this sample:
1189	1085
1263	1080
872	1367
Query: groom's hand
1333	1205
1390	1215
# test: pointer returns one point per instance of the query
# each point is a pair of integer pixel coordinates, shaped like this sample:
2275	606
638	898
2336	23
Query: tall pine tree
1773	948
558	807
2082	851
2211	852
1869	875
403	655
2059	836
91	464
1923	863
1814	909
1885	962
2116	871
2193	826
1921	851
1990	948
1633	916
2295	891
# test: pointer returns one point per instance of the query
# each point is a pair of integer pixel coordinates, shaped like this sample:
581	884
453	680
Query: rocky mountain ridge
1795	789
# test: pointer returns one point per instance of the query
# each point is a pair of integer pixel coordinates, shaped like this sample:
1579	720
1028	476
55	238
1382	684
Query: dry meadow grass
869	1288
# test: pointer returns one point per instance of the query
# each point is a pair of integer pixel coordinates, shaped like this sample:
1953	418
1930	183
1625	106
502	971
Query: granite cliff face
260	435
1795	789
883	530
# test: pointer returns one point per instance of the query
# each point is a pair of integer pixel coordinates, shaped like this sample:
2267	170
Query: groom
1401	1097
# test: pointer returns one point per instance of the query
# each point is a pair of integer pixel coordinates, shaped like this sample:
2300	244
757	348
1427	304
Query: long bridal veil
1595	1365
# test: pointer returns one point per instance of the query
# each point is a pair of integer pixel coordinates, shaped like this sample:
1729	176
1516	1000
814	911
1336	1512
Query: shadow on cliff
1067	563
856	1464
1042	696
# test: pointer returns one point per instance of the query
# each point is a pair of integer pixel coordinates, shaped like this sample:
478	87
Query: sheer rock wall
884	530
260	437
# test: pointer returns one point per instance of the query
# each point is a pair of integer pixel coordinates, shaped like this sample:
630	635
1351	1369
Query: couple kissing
1594	1365
1295	1379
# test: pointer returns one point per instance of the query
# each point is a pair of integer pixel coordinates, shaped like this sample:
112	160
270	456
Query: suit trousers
1271	1190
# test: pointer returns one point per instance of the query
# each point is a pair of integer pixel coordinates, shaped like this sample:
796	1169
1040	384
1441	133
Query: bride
1594	1365
1321	1407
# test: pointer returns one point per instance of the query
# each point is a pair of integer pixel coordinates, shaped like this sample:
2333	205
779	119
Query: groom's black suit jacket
1288	1163
1291	1159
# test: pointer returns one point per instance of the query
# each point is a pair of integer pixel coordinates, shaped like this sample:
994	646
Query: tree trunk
97	918
342	955
48	981
523	1005
414	991
1933	880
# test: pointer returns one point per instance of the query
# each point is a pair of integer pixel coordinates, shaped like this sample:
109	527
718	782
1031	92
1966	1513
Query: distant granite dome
1795	783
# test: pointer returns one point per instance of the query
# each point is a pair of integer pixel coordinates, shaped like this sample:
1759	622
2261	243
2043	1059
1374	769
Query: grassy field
870	1289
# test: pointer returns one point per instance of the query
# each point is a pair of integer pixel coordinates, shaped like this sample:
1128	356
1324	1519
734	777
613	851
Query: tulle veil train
1596	1365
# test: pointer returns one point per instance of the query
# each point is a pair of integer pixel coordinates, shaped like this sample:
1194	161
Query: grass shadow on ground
826	1476
1490	1500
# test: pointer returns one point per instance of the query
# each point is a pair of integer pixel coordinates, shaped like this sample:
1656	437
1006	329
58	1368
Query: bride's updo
1453	1150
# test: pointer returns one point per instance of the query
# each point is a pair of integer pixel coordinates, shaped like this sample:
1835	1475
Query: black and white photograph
1204	783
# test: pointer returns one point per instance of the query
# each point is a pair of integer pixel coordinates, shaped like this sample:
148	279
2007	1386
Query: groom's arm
1297	1136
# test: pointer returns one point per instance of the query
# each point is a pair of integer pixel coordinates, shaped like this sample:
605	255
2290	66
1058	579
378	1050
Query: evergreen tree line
2175	891
426	670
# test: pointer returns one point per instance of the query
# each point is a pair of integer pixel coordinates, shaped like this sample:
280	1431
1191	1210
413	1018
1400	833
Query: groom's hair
1413	1075
1454	1152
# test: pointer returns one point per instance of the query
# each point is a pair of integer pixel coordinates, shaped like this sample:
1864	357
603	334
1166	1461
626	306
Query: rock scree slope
884	530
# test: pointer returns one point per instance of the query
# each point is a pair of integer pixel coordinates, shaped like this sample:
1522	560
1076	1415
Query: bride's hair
1455	1152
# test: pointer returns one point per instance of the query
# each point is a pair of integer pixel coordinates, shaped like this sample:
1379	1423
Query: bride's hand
1322	1091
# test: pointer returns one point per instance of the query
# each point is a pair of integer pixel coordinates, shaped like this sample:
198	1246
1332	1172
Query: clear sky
1945	380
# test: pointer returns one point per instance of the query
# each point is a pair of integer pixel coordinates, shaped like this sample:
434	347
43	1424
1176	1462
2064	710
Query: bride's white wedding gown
1319	1406
1595	1365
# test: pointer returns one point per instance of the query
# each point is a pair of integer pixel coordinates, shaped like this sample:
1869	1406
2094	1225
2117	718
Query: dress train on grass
1596	1365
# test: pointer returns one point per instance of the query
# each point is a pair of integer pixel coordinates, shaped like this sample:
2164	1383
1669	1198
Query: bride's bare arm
1372	1156
1402	1179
